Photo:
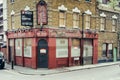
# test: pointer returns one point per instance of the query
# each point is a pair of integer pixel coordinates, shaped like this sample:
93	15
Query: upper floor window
87	21
75	20
88	0
114	25
12	22
105	1
1	12
119	4
12	19
102	23
12	1
62	18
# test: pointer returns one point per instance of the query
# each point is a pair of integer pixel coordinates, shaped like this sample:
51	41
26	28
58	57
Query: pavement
44	71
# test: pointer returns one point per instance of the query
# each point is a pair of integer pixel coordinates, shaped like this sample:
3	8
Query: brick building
108	30
3	27
63	33
1	24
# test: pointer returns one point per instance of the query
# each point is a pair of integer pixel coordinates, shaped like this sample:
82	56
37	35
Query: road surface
101	73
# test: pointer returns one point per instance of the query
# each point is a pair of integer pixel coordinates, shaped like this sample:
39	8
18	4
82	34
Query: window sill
75	27
113	31
102	30
62	26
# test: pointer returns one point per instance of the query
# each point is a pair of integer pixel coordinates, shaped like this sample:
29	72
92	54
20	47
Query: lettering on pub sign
27	18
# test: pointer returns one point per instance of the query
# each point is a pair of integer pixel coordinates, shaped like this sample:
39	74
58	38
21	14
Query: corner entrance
42	53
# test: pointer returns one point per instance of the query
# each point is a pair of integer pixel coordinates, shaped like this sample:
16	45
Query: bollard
12	64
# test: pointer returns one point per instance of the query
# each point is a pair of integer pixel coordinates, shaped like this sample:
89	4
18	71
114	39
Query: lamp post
12	56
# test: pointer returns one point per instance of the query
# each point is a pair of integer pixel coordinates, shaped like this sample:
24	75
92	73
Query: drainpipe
82	61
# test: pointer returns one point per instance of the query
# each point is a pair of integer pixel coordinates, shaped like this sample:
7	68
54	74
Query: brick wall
53	12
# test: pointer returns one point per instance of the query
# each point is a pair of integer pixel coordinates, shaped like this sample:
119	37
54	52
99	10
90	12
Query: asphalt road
101	73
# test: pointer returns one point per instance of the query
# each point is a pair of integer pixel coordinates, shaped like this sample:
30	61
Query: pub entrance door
42	53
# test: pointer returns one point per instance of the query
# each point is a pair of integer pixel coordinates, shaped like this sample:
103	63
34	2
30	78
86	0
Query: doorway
10	53
42	53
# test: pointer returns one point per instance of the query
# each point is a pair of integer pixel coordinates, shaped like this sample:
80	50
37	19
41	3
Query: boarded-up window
87	22
62	18
75	20
28	47
61	48
18	47
75	50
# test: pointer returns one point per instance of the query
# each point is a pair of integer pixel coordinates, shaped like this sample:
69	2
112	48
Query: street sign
27	18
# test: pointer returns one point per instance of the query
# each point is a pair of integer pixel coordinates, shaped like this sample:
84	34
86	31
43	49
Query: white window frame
102	23
87	21
64	19
76	20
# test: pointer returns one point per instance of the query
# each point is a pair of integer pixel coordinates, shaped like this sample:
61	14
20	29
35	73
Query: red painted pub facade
51	48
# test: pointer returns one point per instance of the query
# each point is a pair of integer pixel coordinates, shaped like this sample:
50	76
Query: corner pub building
47	47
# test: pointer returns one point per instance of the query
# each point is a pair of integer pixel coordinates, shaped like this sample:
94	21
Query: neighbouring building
1	25
63	33
3	28
108	22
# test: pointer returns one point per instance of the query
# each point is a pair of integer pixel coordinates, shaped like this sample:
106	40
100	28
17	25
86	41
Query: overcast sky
1	1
